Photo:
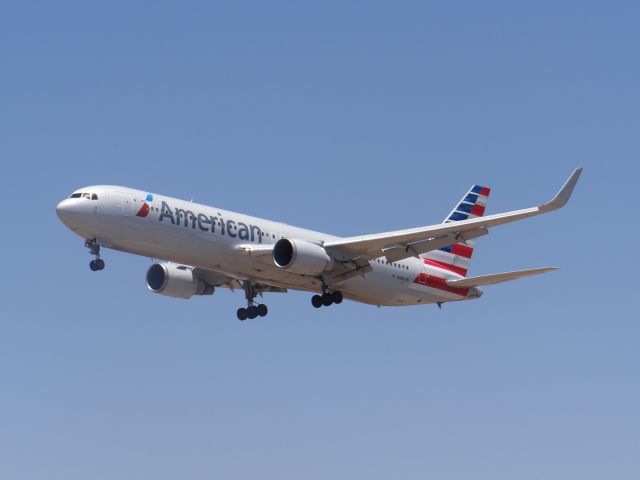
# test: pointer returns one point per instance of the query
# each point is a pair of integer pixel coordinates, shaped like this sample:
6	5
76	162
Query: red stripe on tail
451	268
462	250
477	210
440	284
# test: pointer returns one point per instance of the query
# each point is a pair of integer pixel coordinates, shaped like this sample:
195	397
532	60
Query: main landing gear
97	263
252	311
327	299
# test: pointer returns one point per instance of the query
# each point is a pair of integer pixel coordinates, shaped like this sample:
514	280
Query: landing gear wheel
97	264
316	301
337	297
251	290
327	299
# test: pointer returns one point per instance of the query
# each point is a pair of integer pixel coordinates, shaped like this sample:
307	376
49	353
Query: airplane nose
66	211
62	209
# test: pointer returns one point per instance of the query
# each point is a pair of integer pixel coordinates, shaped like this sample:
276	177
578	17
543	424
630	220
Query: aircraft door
127	205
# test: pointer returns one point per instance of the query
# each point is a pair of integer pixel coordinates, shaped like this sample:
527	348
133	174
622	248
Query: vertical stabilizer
456	258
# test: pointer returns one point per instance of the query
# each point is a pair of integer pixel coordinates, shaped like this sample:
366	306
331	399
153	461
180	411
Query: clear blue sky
345	117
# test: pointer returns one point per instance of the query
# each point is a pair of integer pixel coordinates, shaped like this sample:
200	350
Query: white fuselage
211	238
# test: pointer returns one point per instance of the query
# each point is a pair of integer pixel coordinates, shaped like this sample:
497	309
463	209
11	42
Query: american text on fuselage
208	223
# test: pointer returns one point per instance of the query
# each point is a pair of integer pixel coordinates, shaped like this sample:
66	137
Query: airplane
203	248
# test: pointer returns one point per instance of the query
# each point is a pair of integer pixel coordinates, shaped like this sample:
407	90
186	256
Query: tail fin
456	257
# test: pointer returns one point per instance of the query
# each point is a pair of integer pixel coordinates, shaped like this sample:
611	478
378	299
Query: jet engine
176	281
301	256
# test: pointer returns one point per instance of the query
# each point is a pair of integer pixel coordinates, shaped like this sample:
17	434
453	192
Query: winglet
562	197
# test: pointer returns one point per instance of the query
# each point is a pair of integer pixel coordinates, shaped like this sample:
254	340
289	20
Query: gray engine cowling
176	281
301	257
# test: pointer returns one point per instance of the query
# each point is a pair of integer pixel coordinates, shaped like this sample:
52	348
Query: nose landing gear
94	249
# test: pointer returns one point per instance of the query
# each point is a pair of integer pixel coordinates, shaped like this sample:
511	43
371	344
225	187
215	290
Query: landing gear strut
252	311
97	263
327	299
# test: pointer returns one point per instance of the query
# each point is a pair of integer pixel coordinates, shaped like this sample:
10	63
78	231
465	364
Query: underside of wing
219	279
216	279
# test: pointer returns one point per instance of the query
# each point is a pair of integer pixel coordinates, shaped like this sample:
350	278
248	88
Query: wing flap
497	277
415	249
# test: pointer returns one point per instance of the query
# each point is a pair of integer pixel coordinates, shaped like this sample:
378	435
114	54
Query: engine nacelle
300	256
175	281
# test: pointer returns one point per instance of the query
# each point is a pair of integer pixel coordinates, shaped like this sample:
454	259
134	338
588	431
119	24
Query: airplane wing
219	279
216	279
497	277
401	244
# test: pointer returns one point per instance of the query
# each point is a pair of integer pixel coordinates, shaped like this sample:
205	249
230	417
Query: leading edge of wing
371	246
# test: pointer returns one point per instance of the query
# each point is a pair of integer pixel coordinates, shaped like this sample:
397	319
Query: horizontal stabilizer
497	277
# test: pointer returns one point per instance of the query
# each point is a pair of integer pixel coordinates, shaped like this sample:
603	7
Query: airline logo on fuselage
209	223
144	209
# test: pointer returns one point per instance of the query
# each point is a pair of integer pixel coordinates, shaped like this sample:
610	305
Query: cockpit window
88	196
